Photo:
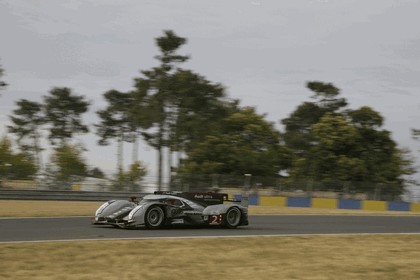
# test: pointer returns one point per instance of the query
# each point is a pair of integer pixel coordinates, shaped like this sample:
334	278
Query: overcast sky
262	51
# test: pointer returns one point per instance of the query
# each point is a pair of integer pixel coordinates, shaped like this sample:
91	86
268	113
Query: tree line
180	112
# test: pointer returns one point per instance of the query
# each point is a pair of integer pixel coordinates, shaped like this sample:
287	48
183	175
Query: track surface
38	229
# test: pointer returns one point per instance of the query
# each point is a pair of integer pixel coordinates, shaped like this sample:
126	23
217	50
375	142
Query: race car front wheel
155	217
233	217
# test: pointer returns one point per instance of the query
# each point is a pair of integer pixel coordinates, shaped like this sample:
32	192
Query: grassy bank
319	257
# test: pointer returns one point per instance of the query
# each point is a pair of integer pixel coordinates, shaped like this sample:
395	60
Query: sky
262	51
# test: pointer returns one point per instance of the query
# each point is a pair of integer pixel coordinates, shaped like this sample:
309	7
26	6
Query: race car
164	208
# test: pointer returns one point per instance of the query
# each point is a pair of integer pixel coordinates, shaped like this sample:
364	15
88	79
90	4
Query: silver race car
173	208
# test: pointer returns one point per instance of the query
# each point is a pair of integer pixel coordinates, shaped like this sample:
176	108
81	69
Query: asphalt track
79	228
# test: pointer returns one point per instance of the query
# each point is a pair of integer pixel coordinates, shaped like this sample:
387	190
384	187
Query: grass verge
315	258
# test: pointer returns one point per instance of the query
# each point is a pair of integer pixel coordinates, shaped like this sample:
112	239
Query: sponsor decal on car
202	196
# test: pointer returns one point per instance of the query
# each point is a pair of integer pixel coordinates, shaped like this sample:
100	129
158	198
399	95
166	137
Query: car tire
155	217
233	217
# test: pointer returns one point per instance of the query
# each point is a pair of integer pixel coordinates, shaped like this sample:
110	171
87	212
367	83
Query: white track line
210	237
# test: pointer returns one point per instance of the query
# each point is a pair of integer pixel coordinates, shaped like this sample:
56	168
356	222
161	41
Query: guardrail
11	194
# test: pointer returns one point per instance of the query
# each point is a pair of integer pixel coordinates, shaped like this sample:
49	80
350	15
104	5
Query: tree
159	84
116	122
2	83
384	160
366	117
26	124
332	157
198	106
67	166
326	96
13	165
333	144
246	144
298	126
415	133
130	180
63	112
183	105
347	152
170	107
96	173
140	113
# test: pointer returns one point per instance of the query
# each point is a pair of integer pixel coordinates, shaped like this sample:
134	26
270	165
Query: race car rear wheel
155	217
233	217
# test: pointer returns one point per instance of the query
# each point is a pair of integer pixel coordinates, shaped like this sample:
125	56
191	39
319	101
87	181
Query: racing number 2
215	219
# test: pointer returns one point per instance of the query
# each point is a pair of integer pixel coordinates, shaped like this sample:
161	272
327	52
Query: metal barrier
11	194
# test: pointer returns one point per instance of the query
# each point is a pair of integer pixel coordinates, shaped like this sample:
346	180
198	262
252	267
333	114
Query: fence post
310	188
247	183
377	192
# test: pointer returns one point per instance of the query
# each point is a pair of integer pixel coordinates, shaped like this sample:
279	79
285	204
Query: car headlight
133	212
102	207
